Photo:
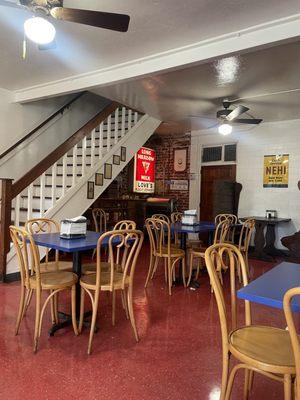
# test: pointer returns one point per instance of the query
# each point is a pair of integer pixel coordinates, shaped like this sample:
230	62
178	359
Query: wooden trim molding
6	201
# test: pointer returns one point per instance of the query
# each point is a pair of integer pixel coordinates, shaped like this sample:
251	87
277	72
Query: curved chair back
288	311
125	224
25	249
226	217
159	232
162	217
43	225
99	217
124	247
176	217
213	259
246	234
221	231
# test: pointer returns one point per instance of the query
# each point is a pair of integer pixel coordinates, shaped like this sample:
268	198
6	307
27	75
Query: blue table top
201	226
270	287
53	241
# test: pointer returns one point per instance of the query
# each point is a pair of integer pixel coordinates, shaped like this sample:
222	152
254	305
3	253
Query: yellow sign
276	171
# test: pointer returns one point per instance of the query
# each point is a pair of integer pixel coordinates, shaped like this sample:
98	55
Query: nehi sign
276	171
144	171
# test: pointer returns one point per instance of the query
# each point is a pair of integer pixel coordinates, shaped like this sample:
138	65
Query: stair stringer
75	201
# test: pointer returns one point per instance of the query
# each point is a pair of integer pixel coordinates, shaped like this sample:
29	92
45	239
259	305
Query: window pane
212	154
230	152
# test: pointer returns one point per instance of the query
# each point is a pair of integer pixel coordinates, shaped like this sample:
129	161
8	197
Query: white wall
18	119
268	138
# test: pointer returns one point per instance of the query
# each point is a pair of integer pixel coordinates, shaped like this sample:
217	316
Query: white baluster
93	148
108	134
123	121
42	194
83	158
136	116
53	183
29	201
116	125
101	141
17	210
64	175
74	167
129	119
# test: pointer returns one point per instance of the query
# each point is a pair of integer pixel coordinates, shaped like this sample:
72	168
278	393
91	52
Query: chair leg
287	387
166	270
56	308
37	320
183	272
155	267
93	323
21	310
81	314
224	375
113	318
230	383
73	306
123	294
131	314
28	300
149	269
169	276
191	268
52	307
246	384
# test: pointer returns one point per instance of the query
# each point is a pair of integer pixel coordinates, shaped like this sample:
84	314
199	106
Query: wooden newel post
6	200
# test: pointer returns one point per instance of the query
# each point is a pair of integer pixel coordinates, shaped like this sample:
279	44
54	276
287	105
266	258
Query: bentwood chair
244	241
99	217
233	220
124	247
32	280
46	225
220	236
176	217
90	268
163	217
262	349
159	232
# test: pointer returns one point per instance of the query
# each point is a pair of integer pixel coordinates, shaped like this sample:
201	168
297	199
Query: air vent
212	154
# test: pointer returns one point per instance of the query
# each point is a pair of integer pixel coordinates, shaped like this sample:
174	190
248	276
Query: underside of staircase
58	188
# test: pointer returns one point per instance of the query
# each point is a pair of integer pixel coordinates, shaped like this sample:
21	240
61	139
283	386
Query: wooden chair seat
52	266
90	268
175	252
89	281
264	347
54	280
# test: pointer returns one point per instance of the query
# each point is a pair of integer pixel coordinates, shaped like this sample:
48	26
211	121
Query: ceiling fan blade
116	22
251	121
202	116
11	4
48	46
239	110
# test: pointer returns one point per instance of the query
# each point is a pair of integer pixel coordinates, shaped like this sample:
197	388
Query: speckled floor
178	356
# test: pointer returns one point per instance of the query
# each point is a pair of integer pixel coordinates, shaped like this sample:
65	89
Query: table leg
259	243
270	242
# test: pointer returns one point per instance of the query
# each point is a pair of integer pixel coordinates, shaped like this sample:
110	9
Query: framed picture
123	153
116	159
90	190
180	159
107	171
98	179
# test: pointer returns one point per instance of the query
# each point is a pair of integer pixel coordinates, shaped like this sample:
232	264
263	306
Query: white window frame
222	161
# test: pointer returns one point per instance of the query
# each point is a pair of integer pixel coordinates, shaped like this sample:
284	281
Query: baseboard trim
15	276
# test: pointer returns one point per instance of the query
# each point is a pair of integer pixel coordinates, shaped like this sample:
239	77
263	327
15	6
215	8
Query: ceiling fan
41	31
228	116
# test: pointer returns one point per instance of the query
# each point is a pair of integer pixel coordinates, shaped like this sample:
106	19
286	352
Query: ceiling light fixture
225	129
39	30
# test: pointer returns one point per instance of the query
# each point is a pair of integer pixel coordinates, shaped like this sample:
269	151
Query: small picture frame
107	171
98	179
90	190
123	154
116	159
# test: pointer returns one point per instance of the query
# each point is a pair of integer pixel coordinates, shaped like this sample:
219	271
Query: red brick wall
164	147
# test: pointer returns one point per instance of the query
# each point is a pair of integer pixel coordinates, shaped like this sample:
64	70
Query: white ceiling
267	81
156	26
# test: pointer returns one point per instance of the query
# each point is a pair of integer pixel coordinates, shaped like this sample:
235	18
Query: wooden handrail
56	154
34	130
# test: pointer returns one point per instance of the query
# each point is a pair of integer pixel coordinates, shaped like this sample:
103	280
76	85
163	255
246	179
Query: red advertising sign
144	171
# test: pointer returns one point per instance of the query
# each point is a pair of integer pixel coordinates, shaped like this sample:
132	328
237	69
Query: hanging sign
276	171
144	171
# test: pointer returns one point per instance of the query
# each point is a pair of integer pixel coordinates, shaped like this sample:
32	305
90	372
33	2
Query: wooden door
209	175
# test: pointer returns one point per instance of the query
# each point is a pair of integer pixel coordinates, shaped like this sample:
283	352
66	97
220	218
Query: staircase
60	191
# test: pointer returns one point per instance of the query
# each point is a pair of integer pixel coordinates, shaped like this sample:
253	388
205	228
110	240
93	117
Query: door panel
210	174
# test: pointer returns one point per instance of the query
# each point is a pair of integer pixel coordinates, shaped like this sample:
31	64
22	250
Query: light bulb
39	30
225	129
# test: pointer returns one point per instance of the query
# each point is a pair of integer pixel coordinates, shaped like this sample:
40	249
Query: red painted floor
178	356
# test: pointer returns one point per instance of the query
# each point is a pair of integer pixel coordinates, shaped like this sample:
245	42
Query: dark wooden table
264	242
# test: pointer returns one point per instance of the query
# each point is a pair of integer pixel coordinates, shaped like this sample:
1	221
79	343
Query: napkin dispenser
73	228
189	217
